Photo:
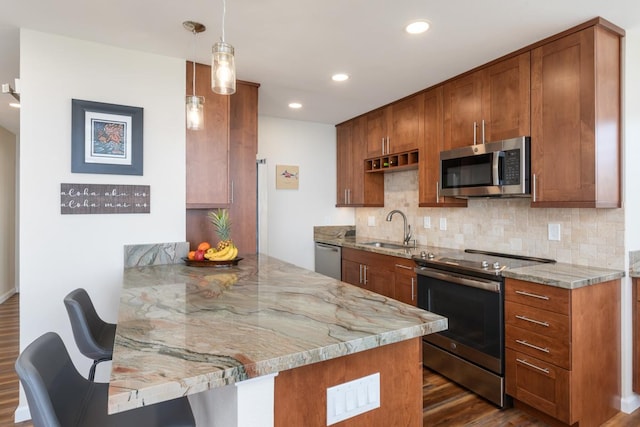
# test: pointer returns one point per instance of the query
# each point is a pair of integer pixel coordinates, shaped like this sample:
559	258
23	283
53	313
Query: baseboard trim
7	295
630	403
22	414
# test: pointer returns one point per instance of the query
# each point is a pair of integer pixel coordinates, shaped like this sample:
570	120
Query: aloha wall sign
104	199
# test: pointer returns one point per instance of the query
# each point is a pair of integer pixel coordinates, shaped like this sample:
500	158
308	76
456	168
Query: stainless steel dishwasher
329	260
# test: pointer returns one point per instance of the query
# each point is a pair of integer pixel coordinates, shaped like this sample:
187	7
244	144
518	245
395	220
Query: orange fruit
192	255
204	246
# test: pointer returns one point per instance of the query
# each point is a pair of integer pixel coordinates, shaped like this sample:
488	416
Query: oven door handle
487	285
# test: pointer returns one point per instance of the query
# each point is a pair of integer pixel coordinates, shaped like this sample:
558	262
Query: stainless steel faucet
407	228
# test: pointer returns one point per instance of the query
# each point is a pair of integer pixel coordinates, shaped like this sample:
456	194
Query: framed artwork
287	177
106	138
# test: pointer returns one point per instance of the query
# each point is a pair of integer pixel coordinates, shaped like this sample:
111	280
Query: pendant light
223	68
194	104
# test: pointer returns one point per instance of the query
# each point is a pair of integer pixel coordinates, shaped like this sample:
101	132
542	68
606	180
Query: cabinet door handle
475	127
360	279
413	294
483	131
388	151
537	322
533	190
383	146
527	294
404	266
531	365
349	198
437	191
535	347
365	274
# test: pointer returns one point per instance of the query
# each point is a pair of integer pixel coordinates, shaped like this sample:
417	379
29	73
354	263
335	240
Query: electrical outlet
443	224
371	221
426	222
554	232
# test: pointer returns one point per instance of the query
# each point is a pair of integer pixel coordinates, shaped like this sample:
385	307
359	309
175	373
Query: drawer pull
537	322
405	267
535	347
531	365
528	294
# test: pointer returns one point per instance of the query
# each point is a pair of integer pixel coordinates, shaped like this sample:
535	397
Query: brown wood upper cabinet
429	162
490	104
221	162
575	135
395	128
207	151
354	186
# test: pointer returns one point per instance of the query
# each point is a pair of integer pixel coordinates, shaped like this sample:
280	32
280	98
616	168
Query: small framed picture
287	177
106	138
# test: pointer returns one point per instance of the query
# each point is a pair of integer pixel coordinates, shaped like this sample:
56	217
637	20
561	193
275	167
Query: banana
234	253
221	255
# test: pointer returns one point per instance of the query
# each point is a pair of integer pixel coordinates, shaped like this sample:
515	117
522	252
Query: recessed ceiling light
295	105
340	77
417	27
14	104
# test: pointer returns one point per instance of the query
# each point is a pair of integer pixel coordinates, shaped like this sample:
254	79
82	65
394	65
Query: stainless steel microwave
494	169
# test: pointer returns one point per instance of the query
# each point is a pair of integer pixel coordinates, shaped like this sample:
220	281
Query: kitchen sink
386	245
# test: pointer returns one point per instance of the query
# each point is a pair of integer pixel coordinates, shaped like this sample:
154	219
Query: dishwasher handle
330	248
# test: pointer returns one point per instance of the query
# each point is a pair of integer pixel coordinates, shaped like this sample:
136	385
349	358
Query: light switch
443	224
371	221
353	398
554	232
426	222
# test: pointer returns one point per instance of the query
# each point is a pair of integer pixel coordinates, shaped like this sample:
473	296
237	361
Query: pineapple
222	224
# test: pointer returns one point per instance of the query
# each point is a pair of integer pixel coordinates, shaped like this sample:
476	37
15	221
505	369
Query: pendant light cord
195	34
224	14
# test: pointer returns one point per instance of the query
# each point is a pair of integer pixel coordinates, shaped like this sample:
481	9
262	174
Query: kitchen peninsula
184	330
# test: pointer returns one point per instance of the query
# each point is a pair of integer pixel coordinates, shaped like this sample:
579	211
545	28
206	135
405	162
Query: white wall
7	213
59	253
292	214
631	156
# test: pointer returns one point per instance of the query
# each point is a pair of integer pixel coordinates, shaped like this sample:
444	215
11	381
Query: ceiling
292	47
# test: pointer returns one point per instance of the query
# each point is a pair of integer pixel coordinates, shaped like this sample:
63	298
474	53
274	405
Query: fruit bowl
211	263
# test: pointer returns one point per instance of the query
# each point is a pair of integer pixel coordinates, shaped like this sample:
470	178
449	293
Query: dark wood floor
444	402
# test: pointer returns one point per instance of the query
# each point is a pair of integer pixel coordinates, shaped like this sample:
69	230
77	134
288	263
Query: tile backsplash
591	237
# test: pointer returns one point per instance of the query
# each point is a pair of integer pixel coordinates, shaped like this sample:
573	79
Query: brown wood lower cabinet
563	350
387	275
301	393
405	287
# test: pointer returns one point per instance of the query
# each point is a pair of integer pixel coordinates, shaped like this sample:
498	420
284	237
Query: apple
199	255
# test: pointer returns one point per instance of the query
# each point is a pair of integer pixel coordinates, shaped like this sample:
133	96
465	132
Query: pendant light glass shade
195	112
194	105
223	69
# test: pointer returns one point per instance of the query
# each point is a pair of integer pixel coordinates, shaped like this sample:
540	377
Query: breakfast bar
185	330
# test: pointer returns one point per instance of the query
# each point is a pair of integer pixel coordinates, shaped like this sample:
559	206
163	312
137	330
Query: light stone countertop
560	275
183	330
634	264
567	276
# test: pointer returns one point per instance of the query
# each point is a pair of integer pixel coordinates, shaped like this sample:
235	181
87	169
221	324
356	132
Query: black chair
59	396
94	337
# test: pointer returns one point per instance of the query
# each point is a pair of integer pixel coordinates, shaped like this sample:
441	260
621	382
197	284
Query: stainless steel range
467	287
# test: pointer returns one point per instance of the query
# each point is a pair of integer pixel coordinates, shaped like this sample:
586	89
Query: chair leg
92	371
